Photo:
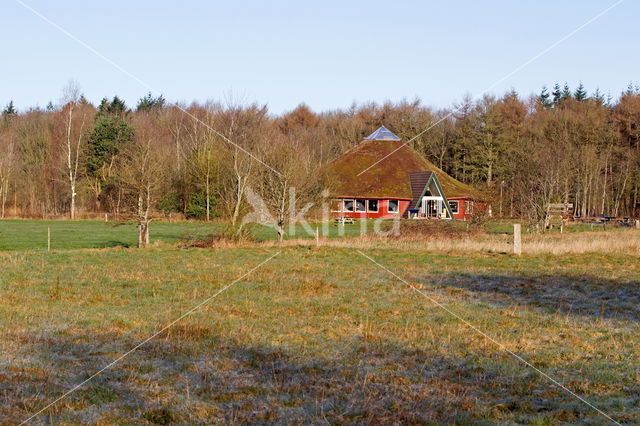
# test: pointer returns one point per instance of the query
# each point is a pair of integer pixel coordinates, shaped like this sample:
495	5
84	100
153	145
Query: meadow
20	235
317	334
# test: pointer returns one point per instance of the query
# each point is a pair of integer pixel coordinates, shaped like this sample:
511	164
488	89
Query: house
382	177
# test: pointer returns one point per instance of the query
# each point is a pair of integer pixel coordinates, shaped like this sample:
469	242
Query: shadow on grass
195	376
588	296
114	243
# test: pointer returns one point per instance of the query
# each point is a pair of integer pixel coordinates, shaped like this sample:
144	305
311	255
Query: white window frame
364	205
340	205
344	205
397	209
369	209
457	204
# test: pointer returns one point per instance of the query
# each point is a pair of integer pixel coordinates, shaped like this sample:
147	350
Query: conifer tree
580	94
9	110
566	92
630	90
544	98
598	96
116	107
110	134
150	103
557	94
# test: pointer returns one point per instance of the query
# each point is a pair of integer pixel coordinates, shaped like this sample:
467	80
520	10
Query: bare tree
201	156
74	136
291	182
235	167
7	166
143	172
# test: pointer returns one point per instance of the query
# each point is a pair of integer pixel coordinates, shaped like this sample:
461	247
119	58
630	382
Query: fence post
317	236
48	238
637	224
517	239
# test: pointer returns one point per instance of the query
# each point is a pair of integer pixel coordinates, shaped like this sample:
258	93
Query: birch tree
75	118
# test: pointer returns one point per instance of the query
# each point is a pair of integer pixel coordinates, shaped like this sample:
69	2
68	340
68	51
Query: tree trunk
4	191
73	200
604	187
140	234
146	233
280	231
208	194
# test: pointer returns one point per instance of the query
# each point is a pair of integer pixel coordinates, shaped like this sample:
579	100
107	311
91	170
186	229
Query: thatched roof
391	176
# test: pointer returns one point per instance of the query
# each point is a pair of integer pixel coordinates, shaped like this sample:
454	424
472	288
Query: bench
343	220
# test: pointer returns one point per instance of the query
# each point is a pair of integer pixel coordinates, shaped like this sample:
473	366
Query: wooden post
317	237
637	224
517	239
106	217
48	238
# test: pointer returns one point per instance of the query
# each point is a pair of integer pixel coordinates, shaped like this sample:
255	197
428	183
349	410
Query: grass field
20	235
316	335
66	235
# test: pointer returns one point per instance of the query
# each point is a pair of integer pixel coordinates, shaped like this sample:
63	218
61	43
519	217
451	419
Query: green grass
20	235
318	335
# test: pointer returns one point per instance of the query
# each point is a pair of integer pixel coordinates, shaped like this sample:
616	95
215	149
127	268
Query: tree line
198	160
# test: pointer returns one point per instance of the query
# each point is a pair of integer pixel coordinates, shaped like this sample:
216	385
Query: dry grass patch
617	241
319	335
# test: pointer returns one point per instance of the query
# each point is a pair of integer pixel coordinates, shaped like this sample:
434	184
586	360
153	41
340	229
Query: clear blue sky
326	54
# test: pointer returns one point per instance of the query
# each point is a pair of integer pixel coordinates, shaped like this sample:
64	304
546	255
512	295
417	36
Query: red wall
463	209
383	209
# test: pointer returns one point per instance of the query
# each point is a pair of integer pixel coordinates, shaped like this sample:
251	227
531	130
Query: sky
326	54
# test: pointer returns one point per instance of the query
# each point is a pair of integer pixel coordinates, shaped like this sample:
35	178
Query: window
455	206
336	205
373	206
394	206
348	205
361	206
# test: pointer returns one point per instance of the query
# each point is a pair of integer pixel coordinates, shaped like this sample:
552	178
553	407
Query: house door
432	206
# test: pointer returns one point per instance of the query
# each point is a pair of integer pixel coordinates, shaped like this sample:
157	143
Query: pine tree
110	133
149	103
544	98
598	96
580	94
116	107
566	92
50	107
630	90
557	94
9	110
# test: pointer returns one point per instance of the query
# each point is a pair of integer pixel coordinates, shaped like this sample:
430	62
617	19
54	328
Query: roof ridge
383	134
